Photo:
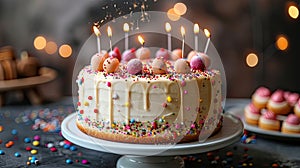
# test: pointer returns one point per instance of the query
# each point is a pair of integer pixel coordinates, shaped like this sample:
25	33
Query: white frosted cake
148	100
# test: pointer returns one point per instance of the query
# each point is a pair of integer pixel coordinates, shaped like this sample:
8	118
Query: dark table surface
21	121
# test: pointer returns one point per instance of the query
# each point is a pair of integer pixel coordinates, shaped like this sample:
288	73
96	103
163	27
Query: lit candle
196	32
141	40
126	30
143	53
207	33
168	30
109	34
97	32
183	37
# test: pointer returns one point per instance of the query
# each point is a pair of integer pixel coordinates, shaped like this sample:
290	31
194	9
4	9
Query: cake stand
150	156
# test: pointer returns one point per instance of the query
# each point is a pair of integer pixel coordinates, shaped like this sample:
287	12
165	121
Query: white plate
231	132
239	112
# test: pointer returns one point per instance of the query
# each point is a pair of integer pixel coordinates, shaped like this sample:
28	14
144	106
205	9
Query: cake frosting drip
148	104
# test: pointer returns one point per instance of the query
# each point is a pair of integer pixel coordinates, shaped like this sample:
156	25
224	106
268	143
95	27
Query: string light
172	15
65	51
180	8
39	42
282	42
293	11
252	60
51	47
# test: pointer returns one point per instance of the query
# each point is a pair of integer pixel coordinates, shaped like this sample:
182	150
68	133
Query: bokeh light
172	15
51	47
282	42
65	51
293	11
180	8
39	42
252	60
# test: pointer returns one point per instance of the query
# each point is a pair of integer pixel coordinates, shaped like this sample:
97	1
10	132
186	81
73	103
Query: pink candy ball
206	59
162	53
128	55
182	66
191	55
115	53
134	66
197	63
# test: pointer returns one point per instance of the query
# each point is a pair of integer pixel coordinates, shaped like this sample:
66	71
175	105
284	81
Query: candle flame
207	33
196	28
141	40
109	32
168	27
126	27
96	31
182	30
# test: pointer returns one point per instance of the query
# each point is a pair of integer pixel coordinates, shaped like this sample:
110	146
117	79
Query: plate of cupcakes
275	114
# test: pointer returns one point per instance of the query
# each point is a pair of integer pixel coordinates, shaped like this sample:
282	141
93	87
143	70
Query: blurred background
258	40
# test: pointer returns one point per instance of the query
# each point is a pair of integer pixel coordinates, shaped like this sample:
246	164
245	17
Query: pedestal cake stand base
150	156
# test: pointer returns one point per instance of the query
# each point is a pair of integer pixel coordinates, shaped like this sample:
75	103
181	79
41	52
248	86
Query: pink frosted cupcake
297	108
260	97
268	121
252	114
291	125
278	104
292	99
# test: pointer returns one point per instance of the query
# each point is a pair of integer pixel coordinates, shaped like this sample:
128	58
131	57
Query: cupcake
292	99
278	104
297	108
268	121
260	97
291	125
252	114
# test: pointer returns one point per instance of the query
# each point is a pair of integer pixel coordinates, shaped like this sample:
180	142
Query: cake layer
157	107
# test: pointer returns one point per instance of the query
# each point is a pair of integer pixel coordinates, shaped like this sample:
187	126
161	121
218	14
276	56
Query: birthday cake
135	99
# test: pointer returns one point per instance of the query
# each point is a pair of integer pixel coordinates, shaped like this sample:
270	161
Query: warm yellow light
282	42
168	27
252	60
207	33
65	51
126	27
182	30
196	28
293	11
172	15
51	47
180	8
109	31
96	31
39	42
141	40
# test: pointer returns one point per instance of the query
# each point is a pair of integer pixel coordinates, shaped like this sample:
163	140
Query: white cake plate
162	156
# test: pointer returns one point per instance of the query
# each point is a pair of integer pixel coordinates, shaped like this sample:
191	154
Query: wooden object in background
28	85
